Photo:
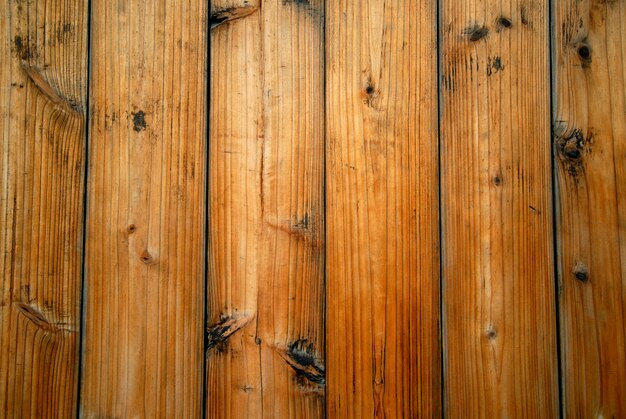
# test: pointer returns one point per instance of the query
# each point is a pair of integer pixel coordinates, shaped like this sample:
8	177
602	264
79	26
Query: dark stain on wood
581	272
476	32
491	332
449	79
303	359
369	94
503	23
571	149
139	121
23	48
584	53
524	15
494	65
146	257
219	333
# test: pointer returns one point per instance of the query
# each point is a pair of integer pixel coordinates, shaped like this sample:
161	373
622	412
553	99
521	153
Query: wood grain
498	290
265	355
43	85
145	220
590	147
382	289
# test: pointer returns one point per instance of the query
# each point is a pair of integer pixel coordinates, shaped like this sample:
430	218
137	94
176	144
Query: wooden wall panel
590	151
265	353
382	289
43	86
498	282
146	210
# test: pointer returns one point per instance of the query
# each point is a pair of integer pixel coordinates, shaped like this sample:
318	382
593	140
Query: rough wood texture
590	147
43	85
145	219
265	294
382	295
498	290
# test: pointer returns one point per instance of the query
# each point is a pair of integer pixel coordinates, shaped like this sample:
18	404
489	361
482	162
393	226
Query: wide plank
590	153
265	354
382	213
499	315
43	89
144	303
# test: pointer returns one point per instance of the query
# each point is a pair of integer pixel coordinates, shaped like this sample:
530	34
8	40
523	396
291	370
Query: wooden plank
498	290
382	289
43	85
146	208
589	134
265	294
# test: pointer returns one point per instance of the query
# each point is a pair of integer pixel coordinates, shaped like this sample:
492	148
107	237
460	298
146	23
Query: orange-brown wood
382	288
43	86
143	345
265	354
498	283
590	147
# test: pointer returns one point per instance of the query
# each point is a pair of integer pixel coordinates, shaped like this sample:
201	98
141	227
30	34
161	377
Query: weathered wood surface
143	350
43	89
382	287
590	152
321	227
265	286
498	283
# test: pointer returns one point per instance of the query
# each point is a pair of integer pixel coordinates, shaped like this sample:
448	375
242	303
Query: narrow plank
146	207
590	146
265	293
43	85
498	290
382	290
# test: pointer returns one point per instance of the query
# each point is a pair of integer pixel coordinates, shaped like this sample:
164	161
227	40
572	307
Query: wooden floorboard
590	150
144	284
265	355
312	208
382	286
43	94
499	315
